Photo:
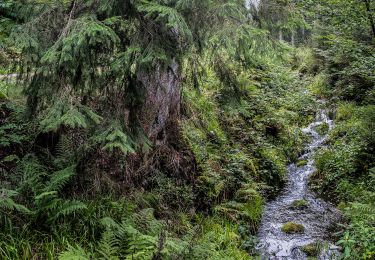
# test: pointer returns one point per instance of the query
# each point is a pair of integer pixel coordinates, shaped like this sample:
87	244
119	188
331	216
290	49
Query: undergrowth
241	147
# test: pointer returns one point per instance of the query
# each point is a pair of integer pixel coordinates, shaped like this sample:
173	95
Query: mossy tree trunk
162	96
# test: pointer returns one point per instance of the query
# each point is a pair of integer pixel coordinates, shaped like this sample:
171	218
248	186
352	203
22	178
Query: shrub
322	129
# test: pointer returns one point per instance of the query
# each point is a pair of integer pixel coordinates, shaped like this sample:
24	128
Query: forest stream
183	129
298	205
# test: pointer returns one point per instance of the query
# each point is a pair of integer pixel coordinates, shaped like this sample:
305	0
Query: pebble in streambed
296	220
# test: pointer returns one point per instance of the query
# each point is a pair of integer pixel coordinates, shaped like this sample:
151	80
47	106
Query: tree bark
161	108
281	35
293	39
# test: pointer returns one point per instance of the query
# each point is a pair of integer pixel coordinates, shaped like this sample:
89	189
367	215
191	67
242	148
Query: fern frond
68	207
75	253
108	222
46	195
142	247
65	152
7	203
108	246
363	209
59	179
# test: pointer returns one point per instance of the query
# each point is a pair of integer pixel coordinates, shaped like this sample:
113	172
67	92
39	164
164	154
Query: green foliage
8	207
46	204
322	129
74	253
346	169
358	239
220	241
115	139
343	37
62	114
168	16
244	102
11	134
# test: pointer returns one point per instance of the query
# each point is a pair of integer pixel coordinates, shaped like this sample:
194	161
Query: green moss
299	204
292	228
342	205
301	163
311	250
2	96
322	129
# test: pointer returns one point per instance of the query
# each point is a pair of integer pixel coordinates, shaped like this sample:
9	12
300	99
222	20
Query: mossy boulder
301	163
311	249
322	129
292	228
299	204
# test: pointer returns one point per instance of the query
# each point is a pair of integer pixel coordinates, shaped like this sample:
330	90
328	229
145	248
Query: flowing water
317	217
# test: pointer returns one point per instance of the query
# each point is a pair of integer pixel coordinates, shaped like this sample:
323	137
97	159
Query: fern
139	236
65	208
59	179
65	152
8	207
47	204
7	202
74	253
363	209
142	247
108	247
47	195
33	174
11	134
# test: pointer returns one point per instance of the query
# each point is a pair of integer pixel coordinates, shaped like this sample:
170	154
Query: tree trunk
281	35
161	108
293	39
303	34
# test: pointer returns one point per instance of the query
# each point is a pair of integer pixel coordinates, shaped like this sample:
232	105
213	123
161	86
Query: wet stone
299	204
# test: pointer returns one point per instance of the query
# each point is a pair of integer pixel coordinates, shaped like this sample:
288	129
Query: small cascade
316	217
